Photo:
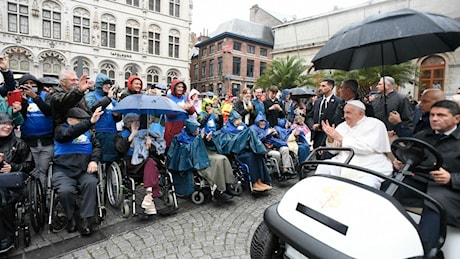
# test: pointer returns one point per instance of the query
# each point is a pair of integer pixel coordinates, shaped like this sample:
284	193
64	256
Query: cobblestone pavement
212	230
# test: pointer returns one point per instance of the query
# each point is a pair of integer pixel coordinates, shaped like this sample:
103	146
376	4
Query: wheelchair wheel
238	188
37	205
198	197
125	209
114	185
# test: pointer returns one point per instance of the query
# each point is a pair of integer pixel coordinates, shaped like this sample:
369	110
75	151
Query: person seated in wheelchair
368	138
277	148
137	148
15	156
295	138
215	168
235	138
76	155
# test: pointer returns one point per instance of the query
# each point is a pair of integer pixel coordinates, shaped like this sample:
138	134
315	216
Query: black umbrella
302	92
387	39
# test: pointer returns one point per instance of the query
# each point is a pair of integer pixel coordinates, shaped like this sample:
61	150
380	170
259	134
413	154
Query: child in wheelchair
15	157
136	147
76	156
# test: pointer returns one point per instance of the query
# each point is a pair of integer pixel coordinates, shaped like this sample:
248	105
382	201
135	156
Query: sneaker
148	205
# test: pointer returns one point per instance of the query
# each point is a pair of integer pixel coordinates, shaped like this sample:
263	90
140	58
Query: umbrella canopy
388	39
302	92
147	104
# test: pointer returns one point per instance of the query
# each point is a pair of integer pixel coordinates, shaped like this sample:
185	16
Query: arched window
153	76
81	65
172	74
108	31
20	59
52	63
130	69
109	70
51	20
81	25
132	36
432	73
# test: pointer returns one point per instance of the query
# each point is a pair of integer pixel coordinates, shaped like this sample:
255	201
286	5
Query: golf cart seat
320	214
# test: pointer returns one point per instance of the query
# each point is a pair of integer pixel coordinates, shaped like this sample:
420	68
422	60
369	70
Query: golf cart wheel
198	197
265	244
125	209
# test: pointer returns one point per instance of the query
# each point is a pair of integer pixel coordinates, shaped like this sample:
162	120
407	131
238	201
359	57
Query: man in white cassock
368	138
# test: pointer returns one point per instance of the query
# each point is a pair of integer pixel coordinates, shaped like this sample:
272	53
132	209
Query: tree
285	73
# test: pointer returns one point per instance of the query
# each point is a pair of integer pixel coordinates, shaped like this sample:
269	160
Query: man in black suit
348	90
325	108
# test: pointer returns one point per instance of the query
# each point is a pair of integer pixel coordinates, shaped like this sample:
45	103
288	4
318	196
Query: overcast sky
208	14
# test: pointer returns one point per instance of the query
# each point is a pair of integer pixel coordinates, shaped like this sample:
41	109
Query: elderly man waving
368	139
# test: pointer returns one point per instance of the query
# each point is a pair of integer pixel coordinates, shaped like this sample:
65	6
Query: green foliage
285	73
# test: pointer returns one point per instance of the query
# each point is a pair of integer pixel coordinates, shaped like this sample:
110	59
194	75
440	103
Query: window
82	65
203	69
236	66
20	60
18	18
219	46
204	52
81	27
154	43
153	76
195	71
251	49
219	66
211	49
237	46
250	69
263	66
132	39
174	8
109	70
51	24
154	5
263	52
171	76
133	2
211	68
108	34
173	47
432	72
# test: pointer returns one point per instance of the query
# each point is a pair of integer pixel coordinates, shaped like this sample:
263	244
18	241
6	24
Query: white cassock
369	140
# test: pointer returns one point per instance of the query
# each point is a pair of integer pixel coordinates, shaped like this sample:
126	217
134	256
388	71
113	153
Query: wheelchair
29	205
121	188
275	170
57	220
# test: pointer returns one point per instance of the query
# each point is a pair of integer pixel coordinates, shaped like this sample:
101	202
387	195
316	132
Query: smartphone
13	96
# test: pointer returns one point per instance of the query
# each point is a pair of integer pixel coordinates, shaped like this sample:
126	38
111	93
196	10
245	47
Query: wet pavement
211	230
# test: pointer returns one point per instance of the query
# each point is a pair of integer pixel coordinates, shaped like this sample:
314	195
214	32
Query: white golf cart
325	216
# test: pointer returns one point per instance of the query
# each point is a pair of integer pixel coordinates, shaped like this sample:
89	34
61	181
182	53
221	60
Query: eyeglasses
7	124
72	79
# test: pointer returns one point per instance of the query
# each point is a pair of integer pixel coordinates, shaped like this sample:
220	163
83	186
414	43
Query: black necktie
323	108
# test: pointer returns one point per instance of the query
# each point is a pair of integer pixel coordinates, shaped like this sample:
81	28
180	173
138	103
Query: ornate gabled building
232	57
116	37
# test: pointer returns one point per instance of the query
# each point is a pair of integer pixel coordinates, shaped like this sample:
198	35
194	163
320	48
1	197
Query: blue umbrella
147	104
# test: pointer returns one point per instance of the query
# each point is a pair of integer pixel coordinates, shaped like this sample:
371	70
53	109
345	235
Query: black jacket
61	101
17	154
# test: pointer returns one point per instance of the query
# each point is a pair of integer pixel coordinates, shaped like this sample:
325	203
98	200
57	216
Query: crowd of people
73	126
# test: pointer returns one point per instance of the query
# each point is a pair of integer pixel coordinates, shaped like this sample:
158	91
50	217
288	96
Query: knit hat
5	118
191	125
76	112
130	116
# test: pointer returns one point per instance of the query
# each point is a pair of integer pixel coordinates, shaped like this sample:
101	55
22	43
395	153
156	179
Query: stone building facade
304	37
117	37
